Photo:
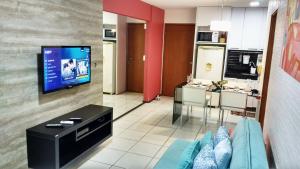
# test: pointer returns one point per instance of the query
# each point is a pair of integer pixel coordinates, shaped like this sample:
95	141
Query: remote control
67	122
54	125
76	119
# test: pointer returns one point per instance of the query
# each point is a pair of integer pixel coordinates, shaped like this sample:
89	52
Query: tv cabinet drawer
91	127
67	144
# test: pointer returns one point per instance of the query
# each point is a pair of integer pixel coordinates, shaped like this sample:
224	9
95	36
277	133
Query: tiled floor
122	102
141	137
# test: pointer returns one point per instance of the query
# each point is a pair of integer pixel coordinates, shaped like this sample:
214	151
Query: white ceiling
165	4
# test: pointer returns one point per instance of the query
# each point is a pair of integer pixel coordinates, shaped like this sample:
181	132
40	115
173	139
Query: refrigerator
210	62
109	67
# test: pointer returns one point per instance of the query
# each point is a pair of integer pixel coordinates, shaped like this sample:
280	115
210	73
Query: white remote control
67	122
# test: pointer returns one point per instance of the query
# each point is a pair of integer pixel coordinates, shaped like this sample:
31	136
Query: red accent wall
154	54
153	41
133	8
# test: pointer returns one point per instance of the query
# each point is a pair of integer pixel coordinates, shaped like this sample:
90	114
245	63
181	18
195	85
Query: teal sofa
248	149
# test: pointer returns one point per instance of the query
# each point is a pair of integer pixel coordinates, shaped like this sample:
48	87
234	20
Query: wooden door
178	55
268	63
135	53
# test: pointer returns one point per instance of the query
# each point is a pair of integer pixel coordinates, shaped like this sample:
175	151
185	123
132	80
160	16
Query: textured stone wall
25	26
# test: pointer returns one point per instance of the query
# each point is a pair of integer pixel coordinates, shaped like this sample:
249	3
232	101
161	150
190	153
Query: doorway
267	69
123	48
178	56
135	54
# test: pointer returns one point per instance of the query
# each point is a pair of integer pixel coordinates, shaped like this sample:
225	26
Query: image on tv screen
65	67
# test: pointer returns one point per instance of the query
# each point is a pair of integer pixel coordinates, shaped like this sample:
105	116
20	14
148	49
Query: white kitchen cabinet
207	14
248	28
235	35
254	28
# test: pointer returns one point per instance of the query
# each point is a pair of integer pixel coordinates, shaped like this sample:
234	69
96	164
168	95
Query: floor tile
181	134
170	141
133	161
116	167
94	165
155	139
145	149
122	124
141	127
132	135
161	152
117	131
162	131
152	163
108	156
121	144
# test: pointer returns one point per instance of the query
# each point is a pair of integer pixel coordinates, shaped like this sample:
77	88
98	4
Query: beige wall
24	27
184	15
121	54
282	121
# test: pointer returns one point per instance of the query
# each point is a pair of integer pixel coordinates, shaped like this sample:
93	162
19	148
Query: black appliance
240	62
208	36
109	34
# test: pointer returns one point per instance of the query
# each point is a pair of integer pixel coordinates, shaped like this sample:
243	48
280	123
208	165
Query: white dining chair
195	96
232	101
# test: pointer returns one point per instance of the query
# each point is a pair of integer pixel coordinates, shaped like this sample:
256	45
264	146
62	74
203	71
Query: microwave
109	34
208	36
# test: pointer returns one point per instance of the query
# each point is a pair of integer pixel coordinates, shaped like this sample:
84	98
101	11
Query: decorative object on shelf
291	51
218	86
223	37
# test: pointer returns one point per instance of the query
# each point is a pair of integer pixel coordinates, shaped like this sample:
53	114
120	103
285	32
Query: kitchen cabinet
248	28
207	14
235	35
254	28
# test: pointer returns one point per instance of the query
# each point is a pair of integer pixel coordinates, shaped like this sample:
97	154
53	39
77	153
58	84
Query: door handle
144	58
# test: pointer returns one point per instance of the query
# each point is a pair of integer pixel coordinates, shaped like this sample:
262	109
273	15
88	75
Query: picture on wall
291	46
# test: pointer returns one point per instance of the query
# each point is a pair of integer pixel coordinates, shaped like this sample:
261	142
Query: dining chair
232	101
195	96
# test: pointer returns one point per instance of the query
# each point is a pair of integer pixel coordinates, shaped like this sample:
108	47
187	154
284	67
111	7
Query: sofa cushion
223	151
221	135
206	158
207	139
188	155
240	145
171	157
257	147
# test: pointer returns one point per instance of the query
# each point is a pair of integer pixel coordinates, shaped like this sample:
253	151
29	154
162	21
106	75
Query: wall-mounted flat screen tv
65	67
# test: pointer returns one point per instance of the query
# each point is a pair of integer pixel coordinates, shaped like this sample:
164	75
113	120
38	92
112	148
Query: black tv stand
56	148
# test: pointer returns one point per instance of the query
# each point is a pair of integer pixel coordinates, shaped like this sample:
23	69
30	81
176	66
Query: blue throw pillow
188	155
207	139
221	134
223	152
206	158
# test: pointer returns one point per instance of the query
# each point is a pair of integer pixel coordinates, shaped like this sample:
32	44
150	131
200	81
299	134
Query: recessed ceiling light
254	3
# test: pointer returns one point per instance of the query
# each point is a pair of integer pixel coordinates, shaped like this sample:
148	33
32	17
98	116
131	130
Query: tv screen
65	67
